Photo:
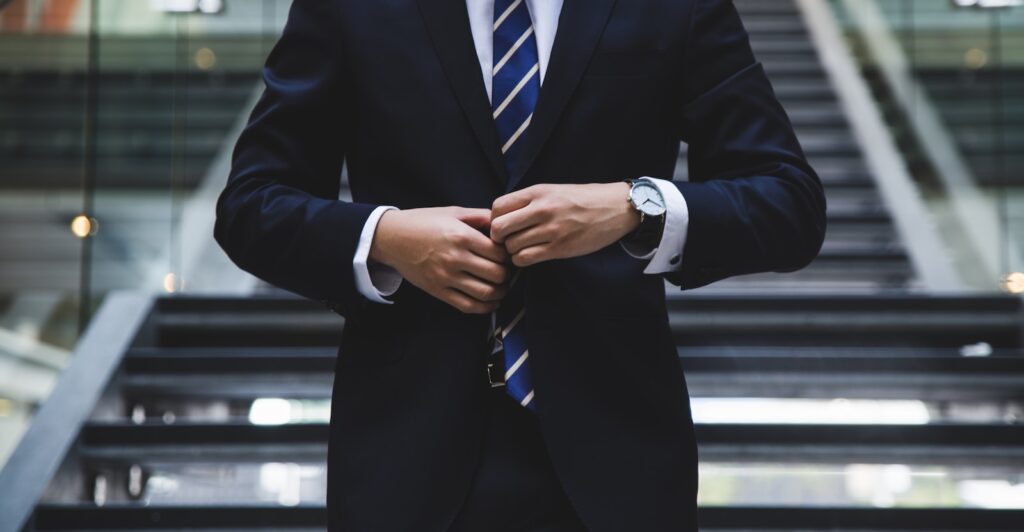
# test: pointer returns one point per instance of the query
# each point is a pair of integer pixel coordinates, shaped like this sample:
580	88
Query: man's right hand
446	252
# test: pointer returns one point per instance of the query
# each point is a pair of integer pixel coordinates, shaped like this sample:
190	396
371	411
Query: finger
485	269
533	255
475	218
524	239
478	289
513	201
467	304
483	246
513	222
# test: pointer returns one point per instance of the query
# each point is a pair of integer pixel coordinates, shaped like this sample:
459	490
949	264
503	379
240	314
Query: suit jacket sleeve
755	204
279	216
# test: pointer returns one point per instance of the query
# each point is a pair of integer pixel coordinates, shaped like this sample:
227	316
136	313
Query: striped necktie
514	90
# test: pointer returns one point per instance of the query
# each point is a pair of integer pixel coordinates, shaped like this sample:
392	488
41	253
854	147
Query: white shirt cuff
374	281
668	255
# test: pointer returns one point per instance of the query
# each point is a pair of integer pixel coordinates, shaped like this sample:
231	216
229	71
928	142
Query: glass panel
44	226
952	86
176	79
113	116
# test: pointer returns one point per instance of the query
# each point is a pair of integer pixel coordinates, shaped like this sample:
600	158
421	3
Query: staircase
216	411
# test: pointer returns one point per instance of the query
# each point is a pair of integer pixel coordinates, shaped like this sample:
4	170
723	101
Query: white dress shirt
377	281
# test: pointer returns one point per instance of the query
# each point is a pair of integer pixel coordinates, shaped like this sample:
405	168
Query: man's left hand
550	221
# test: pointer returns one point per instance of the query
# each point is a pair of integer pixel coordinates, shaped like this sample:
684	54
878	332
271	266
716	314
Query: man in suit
507	362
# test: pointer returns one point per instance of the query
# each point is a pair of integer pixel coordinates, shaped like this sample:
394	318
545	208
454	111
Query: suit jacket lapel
579	28
448	25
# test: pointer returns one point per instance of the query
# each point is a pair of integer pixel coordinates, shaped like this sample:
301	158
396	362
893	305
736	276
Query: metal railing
54	428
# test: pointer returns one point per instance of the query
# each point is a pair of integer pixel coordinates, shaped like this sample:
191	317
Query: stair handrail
54	428
973	213
927	251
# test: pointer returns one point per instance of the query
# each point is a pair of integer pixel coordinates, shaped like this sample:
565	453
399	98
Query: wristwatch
646	198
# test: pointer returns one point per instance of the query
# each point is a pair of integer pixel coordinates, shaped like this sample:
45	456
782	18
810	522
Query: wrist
628	216
383	239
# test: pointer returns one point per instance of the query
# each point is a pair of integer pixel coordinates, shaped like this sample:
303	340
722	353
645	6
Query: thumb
476	218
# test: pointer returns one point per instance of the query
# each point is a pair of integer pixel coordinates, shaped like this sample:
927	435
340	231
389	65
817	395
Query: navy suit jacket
393	88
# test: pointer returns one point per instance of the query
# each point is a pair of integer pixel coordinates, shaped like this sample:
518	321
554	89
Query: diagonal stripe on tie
516	90
515	47
504	14
518	364
515	136
512	324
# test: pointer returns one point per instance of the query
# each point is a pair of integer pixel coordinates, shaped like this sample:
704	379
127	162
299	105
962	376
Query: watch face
647	198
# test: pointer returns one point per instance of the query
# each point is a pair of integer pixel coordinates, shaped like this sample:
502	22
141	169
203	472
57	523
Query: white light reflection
833	411
879	484
993	494
270	411
278	411
283	481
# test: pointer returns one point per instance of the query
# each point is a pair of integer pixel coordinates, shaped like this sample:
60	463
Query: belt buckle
495	372
495	375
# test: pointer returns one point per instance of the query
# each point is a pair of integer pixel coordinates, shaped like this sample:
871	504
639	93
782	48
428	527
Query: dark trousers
515	488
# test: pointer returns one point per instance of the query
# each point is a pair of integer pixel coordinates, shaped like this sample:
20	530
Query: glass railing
114	117
949	77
